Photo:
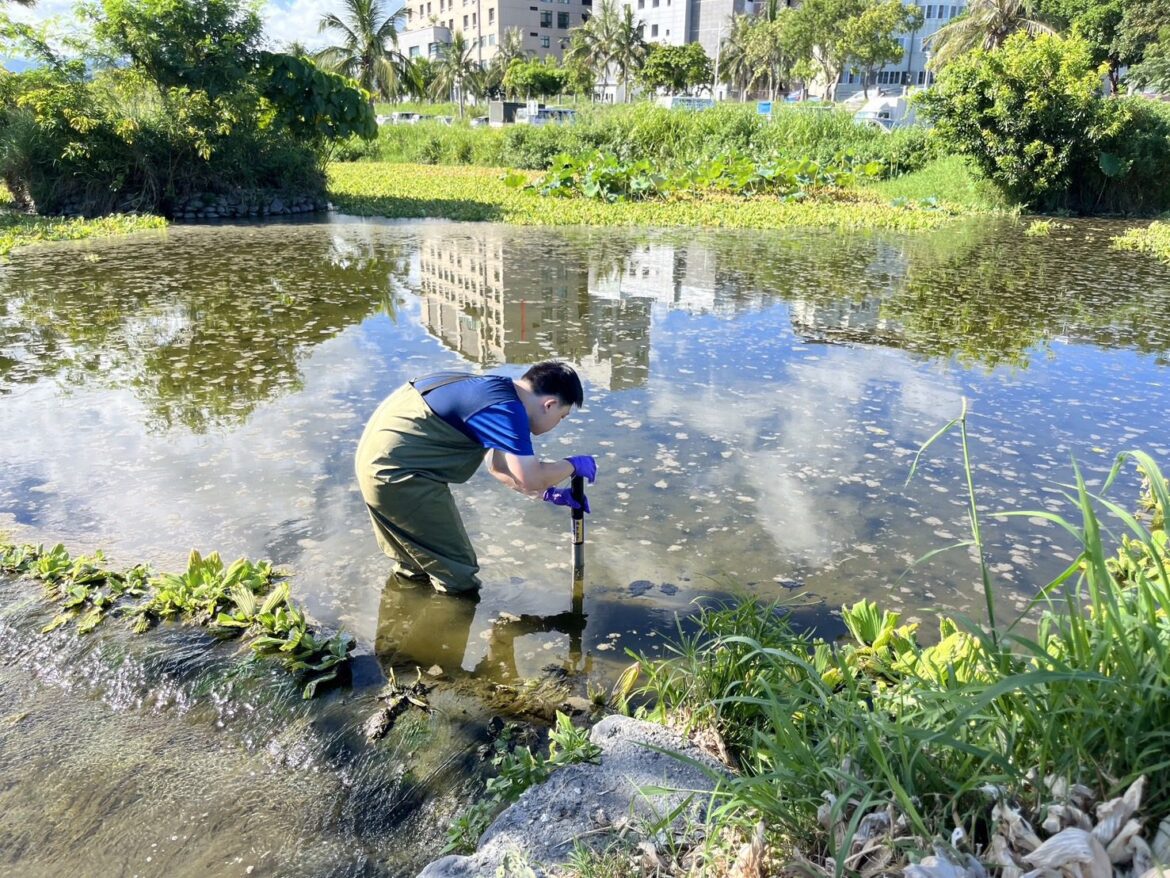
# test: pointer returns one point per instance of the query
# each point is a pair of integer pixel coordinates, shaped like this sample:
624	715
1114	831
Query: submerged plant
237	599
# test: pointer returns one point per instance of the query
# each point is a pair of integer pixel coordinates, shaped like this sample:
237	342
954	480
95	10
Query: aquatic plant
603	176
236	599
1153	239
517	769
21	230
468	193
828	735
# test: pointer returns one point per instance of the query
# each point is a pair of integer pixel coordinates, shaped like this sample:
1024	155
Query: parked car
479	121
444	120
403	118
545	116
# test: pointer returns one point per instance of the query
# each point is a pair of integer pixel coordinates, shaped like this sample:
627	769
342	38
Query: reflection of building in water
493	308
849	321
677	276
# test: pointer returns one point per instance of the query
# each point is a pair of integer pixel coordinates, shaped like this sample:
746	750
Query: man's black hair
551	378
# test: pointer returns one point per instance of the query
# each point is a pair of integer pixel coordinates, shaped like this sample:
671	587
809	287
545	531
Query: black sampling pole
575	640
578	488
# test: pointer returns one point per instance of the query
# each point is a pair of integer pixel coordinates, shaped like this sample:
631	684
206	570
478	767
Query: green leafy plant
236	599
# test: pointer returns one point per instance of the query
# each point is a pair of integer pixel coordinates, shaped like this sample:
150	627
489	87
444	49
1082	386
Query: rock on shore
593	803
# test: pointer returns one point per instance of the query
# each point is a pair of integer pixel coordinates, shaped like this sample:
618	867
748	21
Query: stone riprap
595	803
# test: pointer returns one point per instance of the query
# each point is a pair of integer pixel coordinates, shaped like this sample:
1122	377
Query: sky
284	20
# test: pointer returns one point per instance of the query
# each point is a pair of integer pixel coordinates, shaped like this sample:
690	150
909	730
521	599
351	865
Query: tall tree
818	35
676	68
770	51
456	71
1145	35
592	44
869	39
629	48
986	25
368	47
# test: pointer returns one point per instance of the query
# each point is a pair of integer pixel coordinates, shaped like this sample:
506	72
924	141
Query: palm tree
986	24
511	49
735	66
593	42
455	70
368	48
629	50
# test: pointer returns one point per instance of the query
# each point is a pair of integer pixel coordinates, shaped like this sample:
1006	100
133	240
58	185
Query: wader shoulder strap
440	379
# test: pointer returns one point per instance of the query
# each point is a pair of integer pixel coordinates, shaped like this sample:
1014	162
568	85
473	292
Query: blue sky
284	20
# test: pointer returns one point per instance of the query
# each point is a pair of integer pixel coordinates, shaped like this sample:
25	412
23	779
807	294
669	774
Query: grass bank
862	755
478	194
1154	239
21	230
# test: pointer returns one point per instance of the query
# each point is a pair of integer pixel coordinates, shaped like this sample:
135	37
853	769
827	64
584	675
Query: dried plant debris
398	698
1082	839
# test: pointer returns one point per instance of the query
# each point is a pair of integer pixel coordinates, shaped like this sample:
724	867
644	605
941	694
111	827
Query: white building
544	24
911	70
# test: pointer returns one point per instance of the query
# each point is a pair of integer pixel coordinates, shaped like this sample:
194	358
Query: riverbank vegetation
482	194
22	230
978	740
241	599
179	103
1154	238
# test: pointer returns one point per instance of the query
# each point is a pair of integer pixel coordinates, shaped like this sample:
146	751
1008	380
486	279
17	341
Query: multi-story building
911	70
544	25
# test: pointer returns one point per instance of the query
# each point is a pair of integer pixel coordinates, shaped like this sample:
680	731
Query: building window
544	41
474	22
653	30
465	22
546	19
654	3
562	21
641	4
415	51
492	15
921	77
491	39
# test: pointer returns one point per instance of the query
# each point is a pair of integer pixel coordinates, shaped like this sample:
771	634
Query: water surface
755	401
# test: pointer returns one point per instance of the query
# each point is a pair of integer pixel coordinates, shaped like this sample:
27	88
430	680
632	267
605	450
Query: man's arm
527	474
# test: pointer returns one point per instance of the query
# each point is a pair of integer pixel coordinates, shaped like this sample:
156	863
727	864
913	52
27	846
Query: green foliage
20	230
644	131
184	104
1154	238
517	769
313	103
675	68
237	599
531	78
198	45
1030	115
604	177
367	189
882	718
872	38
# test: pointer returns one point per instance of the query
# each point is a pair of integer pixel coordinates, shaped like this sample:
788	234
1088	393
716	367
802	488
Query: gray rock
593	803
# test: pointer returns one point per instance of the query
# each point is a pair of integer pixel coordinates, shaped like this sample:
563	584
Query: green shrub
1031	116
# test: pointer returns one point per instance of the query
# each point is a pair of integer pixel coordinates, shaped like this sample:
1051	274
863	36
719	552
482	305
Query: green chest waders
405	461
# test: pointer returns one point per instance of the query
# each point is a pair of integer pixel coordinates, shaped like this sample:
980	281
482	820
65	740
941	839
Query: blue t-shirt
485	408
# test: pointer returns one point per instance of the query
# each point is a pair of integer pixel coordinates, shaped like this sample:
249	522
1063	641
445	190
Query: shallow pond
755	400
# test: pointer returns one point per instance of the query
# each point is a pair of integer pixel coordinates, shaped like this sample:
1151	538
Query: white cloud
285	21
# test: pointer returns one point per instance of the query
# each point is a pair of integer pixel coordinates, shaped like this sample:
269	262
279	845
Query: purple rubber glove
585	466
564	497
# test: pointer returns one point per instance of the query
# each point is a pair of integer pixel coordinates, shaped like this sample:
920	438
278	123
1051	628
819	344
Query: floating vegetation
1044	228
21	230
605	177
235	599
1154	239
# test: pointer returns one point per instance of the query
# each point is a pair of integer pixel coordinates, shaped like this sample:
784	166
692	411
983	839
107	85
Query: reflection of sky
736	458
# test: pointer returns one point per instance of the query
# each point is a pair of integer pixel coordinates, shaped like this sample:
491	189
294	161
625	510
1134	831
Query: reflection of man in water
418	627
434	431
